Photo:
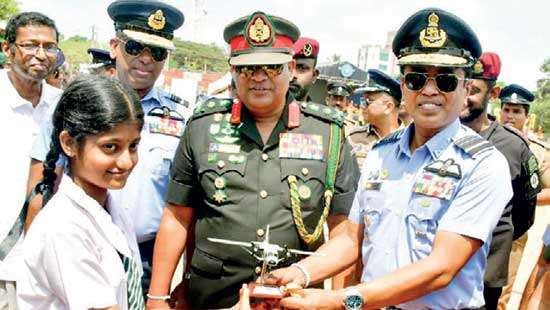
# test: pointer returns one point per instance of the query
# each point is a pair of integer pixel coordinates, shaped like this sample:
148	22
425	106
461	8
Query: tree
75	49
198	57
8	8
541	105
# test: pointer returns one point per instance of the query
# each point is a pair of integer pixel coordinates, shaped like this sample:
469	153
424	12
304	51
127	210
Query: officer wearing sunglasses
144	33
260	159
382	97
520	210
429	195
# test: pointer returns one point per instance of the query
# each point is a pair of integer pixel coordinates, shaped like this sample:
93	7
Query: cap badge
259	31
307	50
514	97
478	67
157	20
433	35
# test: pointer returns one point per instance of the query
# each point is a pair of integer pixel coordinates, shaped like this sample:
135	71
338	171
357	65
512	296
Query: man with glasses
305	75
382	97
515	149
27	101
144	33
429	195
243	164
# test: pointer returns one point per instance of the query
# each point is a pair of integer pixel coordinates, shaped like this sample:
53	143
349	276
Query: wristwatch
353	299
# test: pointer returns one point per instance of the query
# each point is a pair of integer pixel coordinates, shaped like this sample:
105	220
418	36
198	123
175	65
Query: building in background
375	56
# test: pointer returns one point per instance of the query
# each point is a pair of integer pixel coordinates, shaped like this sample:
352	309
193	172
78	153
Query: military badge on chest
163	120
301	146
439	179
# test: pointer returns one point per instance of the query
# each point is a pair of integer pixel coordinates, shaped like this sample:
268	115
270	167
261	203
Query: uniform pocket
206	265
310	175
222	180
160	150
422	220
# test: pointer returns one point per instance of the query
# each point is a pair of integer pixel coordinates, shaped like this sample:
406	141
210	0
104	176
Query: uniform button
263	194
305	171
265	157
260	232
258	270
221	164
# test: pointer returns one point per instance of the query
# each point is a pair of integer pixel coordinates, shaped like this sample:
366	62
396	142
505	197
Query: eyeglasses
31	48
446	83
271	70
134	48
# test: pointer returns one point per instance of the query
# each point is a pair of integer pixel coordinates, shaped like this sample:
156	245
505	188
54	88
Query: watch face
354	302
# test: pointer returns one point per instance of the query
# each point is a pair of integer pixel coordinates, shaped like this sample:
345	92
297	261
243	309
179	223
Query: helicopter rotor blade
224	241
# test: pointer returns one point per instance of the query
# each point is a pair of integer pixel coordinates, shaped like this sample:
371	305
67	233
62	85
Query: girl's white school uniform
71	254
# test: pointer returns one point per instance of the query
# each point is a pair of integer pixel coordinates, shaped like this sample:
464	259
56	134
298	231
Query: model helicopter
268	253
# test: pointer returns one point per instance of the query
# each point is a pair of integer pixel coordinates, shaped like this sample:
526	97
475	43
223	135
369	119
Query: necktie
133	283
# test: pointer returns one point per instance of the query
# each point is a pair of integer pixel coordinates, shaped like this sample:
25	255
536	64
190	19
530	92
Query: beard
475	112
300	93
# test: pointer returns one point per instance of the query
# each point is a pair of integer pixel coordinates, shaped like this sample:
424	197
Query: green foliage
8	8
75	49
194	56
541	105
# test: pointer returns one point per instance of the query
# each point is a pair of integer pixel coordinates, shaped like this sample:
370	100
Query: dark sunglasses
446	83
271	70
135	48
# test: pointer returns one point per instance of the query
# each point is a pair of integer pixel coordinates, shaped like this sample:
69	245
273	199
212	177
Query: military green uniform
238	185
541	150
362	139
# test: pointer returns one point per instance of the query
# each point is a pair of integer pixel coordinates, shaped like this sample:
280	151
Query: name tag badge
373	185
301	146
165	126
224	148
435	186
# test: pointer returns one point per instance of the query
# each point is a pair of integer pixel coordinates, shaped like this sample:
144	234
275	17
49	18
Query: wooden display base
264	291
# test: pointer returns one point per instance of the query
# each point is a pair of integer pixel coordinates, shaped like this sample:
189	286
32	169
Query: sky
518	31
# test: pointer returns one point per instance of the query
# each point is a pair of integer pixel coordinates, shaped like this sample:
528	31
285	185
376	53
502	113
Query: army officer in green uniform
260	159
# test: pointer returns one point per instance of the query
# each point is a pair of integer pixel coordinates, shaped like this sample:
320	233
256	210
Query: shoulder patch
473	144
392	138
210	106
323	112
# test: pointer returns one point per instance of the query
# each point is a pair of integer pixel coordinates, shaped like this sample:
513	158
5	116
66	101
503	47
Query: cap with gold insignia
516	94
487	67
381	82
306	48
338	89
435	37
260	39
101	57
146	21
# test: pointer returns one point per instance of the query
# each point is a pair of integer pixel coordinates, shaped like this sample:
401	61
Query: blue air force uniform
456	182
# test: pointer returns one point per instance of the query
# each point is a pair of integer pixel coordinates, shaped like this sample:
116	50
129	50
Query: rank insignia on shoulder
447	168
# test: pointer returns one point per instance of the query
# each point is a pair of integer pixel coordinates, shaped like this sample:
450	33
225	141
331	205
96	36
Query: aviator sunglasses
135	48
271	70
446	83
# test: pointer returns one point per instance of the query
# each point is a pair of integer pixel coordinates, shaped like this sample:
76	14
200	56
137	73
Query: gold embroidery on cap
433	36
478	67
157	20
259	32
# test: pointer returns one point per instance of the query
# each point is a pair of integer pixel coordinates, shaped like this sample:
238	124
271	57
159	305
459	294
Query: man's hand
177	297
284	276
314	299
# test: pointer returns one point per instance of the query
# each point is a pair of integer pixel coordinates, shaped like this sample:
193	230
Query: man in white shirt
27	101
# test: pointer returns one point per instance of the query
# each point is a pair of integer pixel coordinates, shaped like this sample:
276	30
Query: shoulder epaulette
323	112
472	144
516	132
539	142
392	138
210	106
360	129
